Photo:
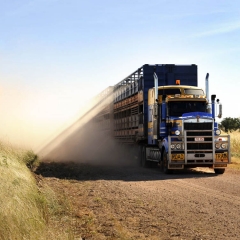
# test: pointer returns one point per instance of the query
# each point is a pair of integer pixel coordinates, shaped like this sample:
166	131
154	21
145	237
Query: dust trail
90	138
29	115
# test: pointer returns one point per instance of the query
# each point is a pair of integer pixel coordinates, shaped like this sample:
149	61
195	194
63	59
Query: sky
55	55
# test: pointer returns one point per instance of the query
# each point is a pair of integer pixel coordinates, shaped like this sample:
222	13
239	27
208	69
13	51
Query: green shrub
30	159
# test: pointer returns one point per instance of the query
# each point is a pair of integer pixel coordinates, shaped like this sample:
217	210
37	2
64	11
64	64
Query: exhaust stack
156	86
207	86
213	97
207	93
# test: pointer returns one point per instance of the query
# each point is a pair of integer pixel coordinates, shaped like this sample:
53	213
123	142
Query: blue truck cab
187	135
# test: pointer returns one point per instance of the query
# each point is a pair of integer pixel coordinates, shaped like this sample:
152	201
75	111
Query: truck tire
144	162
166	170
219	170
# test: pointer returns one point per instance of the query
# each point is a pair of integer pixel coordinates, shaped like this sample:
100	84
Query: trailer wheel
165	163
219	170
144	162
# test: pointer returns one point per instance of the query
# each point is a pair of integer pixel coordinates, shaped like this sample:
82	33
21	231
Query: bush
30	159
230	124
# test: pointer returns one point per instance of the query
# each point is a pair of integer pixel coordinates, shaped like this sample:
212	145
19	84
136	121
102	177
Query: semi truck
160	110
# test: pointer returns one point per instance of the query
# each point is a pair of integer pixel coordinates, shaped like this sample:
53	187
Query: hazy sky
57	54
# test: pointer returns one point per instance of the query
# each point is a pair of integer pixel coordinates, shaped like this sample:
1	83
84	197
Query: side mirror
219	109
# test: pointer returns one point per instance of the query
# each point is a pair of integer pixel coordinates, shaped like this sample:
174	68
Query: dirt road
135	203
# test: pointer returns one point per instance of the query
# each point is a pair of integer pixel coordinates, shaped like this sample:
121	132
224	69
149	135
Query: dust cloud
31	116
90	139
44	120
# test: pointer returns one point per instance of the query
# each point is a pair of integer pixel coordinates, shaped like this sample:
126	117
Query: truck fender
163	147
165	144
162	151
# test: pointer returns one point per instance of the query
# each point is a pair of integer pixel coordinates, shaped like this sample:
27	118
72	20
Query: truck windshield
179	108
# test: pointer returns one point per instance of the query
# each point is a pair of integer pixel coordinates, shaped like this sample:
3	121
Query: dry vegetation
28	210
21	204
235	150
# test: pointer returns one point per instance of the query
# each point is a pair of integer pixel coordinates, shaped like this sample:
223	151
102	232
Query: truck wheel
144	162
219	170
165	164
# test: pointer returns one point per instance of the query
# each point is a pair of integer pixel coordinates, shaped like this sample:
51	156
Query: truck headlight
224	145
172	146
217	145
218	132
178	146
177	132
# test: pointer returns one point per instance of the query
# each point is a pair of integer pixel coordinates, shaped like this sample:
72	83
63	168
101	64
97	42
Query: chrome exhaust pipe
156	86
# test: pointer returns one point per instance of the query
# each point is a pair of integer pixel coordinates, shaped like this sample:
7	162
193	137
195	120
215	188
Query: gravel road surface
129	202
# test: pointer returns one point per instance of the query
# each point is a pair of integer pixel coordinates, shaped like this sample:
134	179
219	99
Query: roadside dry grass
235	143
235	150
21	204
235	164
29	210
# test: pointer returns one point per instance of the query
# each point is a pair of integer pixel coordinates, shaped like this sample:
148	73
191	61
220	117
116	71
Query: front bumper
199	153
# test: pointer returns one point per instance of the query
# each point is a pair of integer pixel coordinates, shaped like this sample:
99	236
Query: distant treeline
230	124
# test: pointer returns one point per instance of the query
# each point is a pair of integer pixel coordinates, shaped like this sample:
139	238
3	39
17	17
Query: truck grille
198	126
198	130
199	146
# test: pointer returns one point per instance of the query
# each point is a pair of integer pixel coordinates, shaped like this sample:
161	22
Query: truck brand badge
198	118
